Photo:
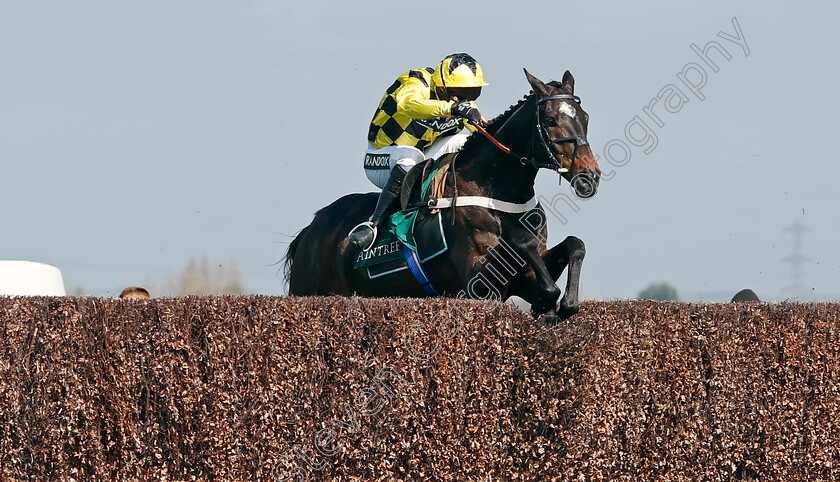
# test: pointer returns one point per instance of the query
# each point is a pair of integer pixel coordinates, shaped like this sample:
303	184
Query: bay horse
497	248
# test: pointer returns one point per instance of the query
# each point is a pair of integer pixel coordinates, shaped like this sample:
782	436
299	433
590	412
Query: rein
545	141
501	146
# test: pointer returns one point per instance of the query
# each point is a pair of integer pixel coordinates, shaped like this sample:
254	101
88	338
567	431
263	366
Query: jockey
419	117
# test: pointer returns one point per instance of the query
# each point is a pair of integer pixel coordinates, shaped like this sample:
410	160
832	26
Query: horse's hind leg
569	254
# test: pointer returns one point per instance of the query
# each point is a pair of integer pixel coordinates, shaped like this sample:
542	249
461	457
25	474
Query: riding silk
408	115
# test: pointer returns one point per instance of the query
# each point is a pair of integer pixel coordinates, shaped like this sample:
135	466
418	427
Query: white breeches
379	162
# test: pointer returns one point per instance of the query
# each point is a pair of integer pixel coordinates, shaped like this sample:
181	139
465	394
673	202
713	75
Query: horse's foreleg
544	298
534	287
569	254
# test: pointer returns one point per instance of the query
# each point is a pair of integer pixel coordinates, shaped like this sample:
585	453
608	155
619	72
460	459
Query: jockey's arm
413	100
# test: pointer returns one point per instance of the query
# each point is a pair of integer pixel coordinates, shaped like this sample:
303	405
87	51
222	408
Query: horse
497	248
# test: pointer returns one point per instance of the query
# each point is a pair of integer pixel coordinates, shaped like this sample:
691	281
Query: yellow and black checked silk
408	116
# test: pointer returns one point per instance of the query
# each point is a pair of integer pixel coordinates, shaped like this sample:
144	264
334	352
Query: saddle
412	194
421	234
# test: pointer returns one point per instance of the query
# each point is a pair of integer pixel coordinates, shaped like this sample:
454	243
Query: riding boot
364	235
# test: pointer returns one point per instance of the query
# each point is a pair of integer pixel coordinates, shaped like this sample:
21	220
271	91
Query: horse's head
560	140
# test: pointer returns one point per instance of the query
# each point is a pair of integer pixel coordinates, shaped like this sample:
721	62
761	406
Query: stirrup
359	227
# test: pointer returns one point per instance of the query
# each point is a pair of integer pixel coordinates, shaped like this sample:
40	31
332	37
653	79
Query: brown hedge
263	388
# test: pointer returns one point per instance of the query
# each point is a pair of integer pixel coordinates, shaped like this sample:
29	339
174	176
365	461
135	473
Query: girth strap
416	268
484	202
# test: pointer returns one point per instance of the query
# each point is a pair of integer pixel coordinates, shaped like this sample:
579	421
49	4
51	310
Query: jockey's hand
468	111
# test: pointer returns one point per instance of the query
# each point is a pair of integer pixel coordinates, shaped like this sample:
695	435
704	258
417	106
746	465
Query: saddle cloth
386	256
422	235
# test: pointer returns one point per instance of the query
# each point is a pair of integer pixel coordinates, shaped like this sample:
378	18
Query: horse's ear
569	82
539	87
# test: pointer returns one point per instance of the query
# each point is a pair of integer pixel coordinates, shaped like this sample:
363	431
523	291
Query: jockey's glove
468	111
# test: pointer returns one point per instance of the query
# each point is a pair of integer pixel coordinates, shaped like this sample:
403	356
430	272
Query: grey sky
134	135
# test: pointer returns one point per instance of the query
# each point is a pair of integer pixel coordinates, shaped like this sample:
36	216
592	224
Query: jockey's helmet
458	76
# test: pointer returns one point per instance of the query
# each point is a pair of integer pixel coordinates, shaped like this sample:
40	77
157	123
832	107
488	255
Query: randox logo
440	124
377	161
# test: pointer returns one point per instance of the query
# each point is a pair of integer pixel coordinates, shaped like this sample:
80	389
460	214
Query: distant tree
204	276
76	290
659	291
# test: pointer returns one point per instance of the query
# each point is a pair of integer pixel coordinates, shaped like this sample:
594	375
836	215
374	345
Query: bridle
546	141
542	138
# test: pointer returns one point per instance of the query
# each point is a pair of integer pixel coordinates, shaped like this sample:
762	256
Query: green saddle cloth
386	250
387	257
402	222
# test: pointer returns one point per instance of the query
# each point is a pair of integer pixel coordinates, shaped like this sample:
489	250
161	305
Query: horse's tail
290	254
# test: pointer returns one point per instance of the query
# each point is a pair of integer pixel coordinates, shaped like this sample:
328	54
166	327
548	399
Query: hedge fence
271	388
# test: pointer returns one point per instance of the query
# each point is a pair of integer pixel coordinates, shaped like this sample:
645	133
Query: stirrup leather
359	227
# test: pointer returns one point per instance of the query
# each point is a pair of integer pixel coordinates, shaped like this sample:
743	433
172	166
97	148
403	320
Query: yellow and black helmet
459	74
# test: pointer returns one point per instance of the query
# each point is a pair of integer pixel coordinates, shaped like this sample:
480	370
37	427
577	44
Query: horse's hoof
550	320
566	312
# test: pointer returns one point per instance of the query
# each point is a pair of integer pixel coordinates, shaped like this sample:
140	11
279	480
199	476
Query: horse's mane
494	123
498	121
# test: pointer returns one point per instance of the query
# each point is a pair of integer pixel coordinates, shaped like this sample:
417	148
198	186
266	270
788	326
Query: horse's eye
550	122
